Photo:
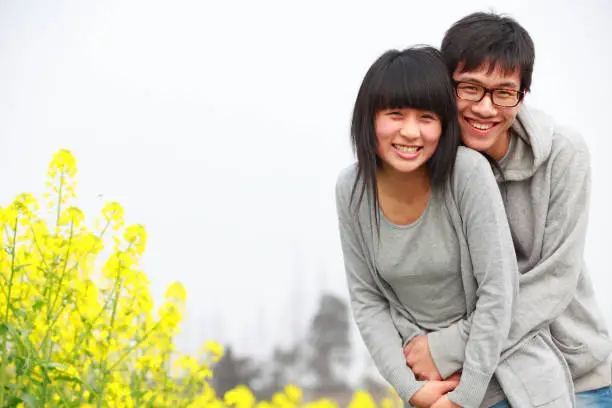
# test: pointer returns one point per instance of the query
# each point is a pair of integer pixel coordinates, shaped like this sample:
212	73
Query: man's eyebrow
507	84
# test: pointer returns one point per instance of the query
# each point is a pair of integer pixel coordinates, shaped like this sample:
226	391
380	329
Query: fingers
427	376
439	403
454	378
450	385
407	349
410	360
435	377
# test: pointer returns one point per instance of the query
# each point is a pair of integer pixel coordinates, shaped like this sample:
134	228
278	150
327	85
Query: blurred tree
329	340
231	371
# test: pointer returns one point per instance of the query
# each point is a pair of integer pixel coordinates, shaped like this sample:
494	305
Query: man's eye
469	88
505	93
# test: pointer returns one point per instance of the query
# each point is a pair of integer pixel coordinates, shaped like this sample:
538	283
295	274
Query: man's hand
432	391
419	359
444	402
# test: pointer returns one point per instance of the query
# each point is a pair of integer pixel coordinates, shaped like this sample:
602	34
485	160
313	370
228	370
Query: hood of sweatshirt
530	144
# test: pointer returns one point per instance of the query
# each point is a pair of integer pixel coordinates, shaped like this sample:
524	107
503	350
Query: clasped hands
433	393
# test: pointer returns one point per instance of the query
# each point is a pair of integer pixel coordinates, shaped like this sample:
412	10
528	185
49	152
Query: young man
546	185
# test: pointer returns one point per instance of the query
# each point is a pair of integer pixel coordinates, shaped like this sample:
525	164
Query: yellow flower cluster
78	327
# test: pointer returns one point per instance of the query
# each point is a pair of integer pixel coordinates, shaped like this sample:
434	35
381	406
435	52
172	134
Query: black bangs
414	80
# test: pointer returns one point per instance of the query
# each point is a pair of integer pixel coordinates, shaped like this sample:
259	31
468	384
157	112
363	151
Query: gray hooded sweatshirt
546	189
466	244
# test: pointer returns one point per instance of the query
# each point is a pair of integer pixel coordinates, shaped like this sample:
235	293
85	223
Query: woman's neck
404	187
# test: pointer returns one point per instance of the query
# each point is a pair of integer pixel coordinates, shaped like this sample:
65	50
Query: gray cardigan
533	375
547	187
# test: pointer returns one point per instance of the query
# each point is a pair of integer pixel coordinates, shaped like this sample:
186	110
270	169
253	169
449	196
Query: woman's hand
432	392
444	402
419	359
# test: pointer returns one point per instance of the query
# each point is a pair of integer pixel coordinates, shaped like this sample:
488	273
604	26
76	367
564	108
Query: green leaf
12	387
20	267
53	365
4	328
4	279
38	305
20	365
29	400
67	378
20	313
12	402
35	382
23	342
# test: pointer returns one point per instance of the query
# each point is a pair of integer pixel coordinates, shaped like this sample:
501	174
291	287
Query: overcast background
221	126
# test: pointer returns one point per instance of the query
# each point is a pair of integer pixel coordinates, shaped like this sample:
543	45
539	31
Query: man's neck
499	149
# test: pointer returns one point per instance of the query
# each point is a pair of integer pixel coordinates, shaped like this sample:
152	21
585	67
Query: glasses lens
505	97
469	92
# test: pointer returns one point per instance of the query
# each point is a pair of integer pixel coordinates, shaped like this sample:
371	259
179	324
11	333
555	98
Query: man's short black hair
488	39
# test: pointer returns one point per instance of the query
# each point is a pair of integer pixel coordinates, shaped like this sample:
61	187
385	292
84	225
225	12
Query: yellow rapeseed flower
240	396
176	291
362	400
294	393
84	314
63	161
137	237
214	349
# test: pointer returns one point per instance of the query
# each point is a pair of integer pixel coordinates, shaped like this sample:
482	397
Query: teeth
406	149
481	126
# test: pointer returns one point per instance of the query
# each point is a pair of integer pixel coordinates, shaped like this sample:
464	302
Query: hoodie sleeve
560	266
495	271
371	309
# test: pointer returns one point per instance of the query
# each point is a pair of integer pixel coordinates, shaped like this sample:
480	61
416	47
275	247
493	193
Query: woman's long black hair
416	78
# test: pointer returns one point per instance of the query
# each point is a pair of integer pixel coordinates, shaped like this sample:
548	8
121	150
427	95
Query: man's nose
485	107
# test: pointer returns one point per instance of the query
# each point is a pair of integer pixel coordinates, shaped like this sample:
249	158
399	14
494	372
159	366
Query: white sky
221	126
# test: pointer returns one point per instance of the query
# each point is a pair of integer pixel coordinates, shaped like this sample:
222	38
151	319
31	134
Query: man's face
484	126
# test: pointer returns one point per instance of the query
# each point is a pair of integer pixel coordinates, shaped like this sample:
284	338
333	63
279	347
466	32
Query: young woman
424	234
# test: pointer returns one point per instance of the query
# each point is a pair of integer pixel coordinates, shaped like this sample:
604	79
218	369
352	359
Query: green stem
4	364
44	345
165	374
59	199
67	257
3	372
84	334
132	347
10	283
51	308
115	296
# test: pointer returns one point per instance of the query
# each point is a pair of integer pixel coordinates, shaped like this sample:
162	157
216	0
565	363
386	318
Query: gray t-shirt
421	261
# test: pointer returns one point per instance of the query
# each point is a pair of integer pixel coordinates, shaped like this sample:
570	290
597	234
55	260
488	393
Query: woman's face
407	137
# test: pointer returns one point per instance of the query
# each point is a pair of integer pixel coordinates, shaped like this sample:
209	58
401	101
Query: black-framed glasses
506	98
